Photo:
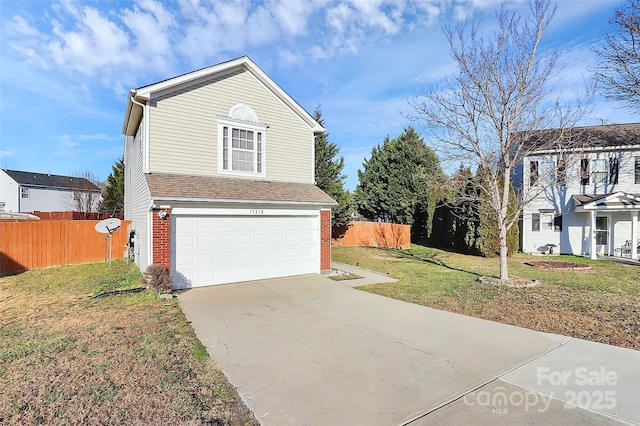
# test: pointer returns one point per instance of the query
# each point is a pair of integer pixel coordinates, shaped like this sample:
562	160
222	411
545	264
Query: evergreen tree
487	242
329	177
401	183
113	194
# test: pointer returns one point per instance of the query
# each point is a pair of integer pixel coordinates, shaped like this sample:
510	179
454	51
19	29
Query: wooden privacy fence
42	243
376	234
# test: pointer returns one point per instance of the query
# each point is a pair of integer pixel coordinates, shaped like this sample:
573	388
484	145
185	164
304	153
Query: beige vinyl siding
184	129
136	195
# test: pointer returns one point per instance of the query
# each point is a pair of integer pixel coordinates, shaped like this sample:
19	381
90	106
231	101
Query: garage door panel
217	249
243	238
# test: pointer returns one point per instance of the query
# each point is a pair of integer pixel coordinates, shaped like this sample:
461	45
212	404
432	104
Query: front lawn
66	358
601	304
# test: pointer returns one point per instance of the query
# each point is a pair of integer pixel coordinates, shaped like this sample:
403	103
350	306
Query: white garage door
225	249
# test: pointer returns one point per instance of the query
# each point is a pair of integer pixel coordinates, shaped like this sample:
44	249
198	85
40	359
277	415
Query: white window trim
547	172
604	171
546	222
24	192
243	125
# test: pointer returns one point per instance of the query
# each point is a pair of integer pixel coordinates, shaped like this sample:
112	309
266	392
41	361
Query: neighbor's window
242	149
547	173
637	170
599	173
547	221
535	221
533	173
24	192
584	171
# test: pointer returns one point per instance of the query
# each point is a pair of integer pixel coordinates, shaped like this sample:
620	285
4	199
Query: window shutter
533	173
584	171
225	148
613	170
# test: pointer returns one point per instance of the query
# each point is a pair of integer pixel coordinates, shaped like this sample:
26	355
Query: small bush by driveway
601	304
130	359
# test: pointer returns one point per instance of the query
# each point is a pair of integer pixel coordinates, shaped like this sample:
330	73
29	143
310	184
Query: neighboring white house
30	191
592	205
219	178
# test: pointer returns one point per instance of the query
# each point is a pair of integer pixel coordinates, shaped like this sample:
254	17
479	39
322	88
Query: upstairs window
637	170
599	172
241	150
547	173
241	143
24	192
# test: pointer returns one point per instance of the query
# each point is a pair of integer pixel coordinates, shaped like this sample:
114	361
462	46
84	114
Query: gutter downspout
137	103
145	165
150	231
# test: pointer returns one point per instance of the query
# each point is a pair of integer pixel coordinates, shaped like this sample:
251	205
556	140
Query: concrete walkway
368	277
307	350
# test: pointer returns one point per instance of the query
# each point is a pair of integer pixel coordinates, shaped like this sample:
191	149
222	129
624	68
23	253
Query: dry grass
601	304
131	359
344	277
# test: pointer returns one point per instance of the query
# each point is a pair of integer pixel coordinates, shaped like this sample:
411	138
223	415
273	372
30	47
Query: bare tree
86	194
489	115
619	58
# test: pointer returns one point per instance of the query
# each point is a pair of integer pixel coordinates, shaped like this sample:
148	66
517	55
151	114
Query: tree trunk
504	273
502	225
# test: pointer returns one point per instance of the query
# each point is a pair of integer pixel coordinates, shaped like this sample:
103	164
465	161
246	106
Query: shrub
158	278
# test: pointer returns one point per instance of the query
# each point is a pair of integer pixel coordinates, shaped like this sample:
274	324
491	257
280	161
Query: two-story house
219	178
591	198
22	191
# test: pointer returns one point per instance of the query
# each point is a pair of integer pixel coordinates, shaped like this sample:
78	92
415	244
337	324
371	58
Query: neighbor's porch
613	223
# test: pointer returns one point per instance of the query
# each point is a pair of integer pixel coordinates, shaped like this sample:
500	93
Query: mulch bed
559	265
515	282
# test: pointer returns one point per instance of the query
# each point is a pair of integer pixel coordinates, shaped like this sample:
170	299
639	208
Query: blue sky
66	66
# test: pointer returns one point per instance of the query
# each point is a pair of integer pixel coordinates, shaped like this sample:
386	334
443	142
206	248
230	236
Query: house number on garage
256	211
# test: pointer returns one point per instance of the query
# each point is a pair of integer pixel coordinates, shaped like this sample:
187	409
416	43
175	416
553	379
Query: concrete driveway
307	350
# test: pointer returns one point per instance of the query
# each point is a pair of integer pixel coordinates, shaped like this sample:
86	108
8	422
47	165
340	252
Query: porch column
592	249
634	235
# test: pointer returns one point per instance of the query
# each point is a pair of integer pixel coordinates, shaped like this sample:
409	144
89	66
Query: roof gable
142	94
46	180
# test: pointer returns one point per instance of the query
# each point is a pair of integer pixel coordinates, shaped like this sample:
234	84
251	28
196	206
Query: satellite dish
108	226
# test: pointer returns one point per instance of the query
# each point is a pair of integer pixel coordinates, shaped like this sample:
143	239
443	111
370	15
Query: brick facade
325	240
162	238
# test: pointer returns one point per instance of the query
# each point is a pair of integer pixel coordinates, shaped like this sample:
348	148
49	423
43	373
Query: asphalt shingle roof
171	186
45	180
604	136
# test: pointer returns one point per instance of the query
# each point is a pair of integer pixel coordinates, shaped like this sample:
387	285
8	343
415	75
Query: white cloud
372	15
152	27
292	16
120	47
